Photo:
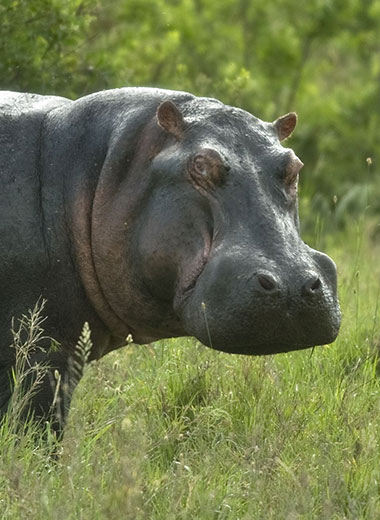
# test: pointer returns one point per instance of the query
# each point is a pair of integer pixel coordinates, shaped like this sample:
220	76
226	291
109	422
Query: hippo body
157	214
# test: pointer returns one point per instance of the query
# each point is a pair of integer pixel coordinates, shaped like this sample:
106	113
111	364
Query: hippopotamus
151	214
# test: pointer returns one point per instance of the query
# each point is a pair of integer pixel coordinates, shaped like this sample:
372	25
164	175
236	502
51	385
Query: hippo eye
200	165
207	169
292	185
291	176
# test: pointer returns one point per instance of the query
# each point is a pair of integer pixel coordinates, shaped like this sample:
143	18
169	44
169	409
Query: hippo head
199	235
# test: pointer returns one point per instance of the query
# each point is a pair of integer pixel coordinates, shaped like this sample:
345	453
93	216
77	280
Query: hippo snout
238	308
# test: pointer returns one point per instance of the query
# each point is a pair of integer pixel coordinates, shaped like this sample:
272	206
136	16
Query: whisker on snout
203	305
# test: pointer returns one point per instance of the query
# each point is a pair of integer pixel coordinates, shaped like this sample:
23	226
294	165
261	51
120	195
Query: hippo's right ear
170	119
285	125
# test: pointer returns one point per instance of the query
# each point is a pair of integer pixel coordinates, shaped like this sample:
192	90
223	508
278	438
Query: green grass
177	431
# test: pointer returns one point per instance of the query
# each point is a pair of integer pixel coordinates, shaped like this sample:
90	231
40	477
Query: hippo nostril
316	284
311	286
266	281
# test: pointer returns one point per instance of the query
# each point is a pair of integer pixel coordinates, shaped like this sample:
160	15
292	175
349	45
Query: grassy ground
177	431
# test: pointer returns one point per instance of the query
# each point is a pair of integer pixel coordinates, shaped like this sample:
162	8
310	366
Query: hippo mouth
190	276
274	345
248	334
187	285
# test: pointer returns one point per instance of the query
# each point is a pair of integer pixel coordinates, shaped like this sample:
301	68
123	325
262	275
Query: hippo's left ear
285	125
170	119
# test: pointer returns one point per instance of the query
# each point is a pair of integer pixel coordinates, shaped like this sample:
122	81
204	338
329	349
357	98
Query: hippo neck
73	164
107	131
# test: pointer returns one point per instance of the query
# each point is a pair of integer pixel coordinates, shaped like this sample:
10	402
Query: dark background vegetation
320	58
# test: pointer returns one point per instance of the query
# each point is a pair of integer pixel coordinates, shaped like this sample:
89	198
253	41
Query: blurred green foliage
40	46
320	58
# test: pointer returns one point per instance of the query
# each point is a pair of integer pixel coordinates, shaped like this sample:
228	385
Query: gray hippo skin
157	214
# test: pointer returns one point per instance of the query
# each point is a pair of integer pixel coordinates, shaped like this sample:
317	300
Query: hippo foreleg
43	391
